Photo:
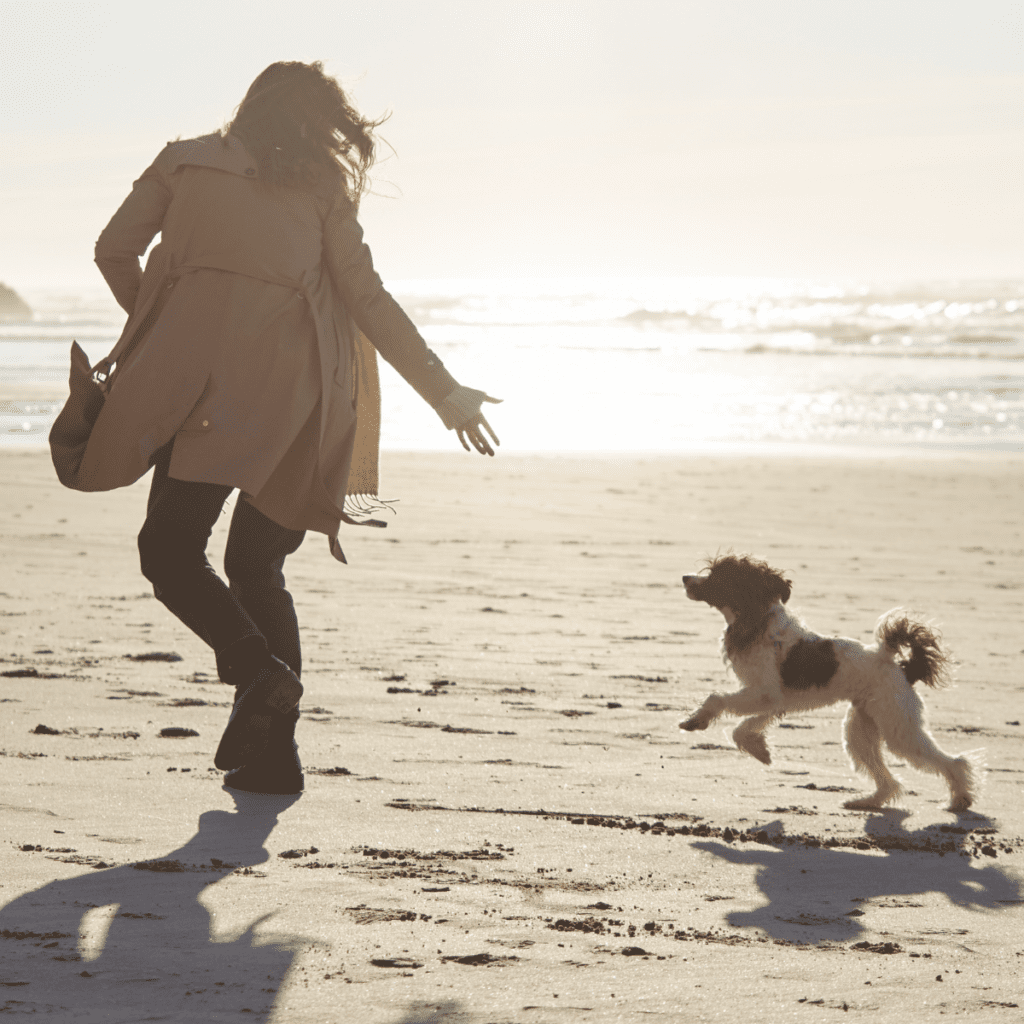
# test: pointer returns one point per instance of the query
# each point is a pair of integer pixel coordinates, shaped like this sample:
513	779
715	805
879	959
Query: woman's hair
296	122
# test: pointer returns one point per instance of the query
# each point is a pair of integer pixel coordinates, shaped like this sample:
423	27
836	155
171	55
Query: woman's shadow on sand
135	942
816	894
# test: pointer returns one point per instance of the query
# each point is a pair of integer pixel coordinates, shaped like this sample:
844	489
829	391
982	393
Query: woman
245	363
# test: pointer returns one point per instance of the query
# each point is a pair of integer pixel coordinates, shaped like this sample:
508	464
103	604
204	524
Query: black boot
278	769
266	691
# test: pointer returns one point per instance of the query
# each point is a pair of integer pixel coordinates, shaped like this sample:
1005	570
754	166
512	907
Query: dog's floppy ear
783	588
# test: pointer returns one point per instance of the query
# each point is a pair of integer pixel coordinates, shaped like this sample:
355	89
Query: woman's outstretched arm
394	335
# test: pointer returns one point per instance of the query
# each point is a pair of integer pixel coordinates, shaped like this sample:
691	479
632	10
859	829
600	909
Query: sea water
658	365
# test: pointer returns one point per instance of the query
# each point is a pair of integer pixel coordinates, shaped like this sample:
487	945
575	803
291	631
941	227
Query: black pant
252	617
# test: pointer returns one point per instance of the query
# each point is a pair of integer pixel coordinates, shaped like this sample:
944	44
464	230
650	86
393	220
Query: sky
558	138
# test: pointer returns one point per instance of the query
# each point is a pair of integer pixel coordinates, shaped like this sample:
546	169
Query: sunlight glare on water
653	364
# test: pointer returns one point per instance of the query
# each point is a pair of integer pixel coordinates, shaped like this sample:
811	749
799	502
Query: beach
502	823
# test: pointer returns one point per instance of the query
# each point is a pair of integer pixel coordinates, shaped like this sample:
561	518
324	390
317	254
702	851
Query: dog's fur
784	667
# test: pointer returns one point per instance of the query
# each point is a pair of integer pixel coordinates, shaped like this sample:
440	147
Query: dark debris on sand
943	839
374	915
497	852
826	789
878	947
437	687
479	959
193	702
401	962
178	867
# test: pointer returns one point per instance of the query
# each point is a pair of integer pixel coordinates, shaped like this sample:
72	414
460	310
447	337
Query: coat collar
224	153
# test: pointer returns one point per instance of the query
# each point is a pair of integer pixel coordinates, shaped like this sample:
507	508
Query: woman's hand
473	429
461	412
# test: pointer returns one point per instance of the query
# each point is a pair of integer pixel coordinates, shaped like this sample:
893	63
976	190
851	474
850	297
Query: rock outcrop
12	305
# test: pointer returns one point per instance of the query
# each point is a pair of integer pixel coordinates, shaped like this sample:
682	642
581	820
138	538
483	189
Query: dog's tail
917	646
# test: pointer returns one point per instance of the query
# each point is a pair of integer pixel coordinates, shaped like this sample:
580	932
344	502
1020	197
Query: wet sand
502	822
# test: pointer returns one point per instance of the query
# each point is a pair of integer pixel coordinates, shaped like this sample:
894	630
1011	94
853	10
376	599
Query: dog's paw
693	724
960	804
755	746
864	804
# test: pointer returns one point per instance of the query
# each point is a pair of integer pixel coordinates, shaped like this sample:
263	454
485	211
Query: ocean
653	365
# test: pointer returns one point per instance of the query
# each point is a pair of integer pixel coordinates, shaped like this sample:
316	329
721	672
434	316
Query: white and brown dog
784	667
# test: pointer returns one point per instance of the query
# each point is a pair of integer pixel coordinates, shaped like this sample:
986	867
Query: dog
783	666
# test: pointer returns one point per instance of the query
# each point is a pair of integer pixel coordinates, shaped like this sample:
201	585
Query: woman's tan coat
244	340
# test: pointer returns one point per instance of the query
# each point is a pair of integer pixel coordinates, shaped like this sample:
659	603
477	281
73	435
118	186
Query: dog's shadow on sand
136	942
827	894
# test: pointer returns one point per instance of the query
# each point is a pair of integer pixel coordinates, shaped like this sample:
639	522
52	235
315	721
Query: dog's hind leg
749	736
907	738
863	744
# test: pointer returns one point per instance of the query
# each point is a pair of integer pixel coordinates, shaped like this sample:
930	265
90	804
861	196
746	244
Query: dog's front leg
741	702
705	715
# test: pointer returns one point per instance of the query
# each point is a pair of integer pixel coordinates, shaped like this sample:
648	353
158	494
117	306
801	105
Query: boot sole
248	728
276	787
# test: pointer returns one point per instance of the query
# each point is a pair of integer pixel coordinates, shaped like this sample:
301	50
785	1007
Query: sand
502	822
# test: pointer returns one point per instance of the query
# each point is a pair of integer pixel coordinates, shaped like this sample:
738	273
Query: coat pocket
200	420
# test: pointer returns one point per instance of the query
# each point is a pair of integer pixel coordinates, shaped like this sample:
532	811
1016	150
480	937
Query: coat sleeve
377	314
128	235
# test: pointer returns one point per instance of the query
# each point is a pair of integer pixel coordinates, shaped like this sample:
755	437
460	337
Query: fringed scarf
362	498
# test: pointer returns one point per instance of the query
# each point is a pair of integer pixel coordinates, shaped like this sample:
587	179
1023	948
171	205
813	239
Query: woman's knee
165	553
251	570
256	550
151	559
174	536
161	555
